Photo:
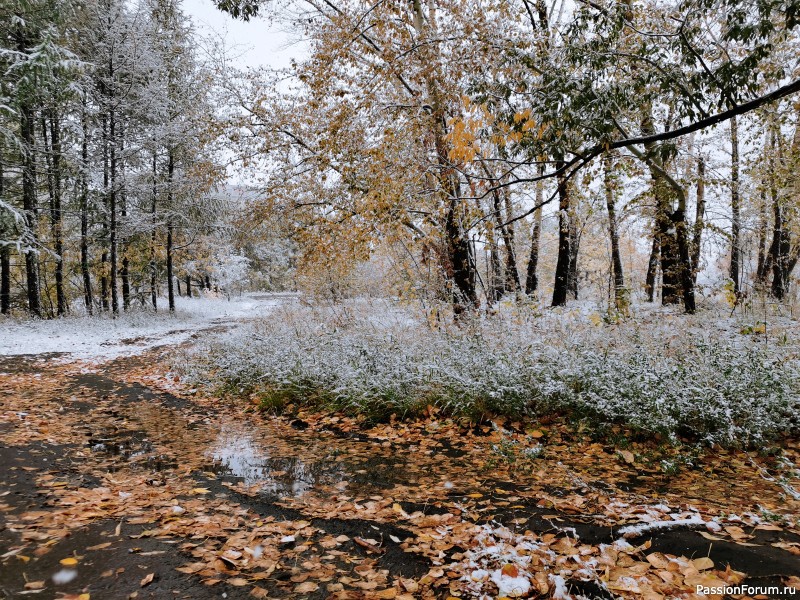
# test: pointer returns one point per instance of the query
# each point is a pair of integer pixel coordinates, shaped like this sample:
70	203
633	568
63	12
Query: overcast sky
257	42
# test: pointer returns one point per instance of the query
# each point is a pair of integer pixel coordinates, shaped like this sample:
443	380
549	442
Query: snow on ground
102	337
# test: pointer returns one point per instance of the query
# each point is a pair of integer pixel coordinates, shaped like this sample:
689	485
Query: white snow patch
64	576
510	587
102	337
632	531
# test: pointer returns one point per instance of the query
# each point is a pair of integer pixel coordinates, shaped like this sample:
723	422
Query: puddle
296	465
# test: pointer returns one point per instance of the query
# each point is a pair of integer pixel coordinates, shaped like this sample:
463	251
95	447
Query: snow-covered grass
102	336
681	377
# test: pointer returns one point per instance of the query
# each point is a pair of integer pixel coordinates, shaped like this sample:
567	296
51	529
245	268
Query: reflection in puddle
235	452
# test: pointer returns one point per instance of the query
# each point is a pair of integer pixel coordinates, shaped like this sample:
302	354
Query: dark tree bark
699	218
30	208
561	286
5	280
124	272
112	210
652	266
780	248
762	268
574	245
56	224
170	194
666	232
153	238
685	264
88	301
513	283
5	259
736	222
620	296
531	277
104	270
188	286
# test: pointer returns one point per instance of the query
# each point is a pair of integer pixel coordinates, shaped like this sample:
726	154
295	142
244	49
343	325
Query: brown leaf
306	587
34	585
510	570
703	563
147	580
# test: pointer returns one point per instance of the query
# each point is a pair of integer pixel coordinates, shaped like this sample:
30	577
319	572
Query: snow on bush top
678	376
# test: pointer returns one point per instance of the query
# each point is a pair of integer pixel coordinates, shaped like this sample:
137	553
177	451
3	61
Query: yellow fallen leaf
200	490
703	563
69	562
34	585
99	546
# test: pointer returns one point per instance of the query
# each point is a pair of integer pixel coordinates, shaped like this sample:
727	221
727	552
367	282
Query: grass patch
733	389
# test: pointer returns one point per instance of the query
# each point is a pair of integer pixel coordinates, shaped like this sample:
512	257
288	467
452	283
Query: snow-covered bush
728	389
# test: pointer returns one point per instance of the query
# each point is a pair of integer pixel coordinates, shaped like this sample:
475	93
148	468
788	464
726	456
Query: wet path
117	489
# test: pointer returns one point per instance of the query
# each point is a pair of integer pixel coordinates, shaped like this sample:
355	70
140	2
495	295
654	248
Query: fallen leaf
703	563
99	546
34	585
147	580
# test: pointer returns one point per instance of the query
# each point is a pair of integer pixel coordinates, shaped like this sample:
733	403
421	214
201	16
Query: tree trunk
5	258
762	267
123	211
30	208
153	224
652	266
188	286
531	277
574	245
685	264
104	302
620	295
781	241
735	266
112	209
56	217
561	286
88	301
666	232
699	218
5	280
513	283
170	273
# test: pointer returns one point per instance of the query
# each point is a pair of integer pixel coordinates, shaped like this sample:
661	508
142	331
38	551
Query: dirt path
114	487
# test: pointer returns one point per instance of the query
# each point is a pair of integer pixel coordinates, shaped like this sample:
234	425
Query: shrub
733	391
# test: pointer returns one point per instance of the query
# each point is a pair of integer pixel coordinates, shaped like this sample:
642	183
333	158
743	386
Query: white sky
257	42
